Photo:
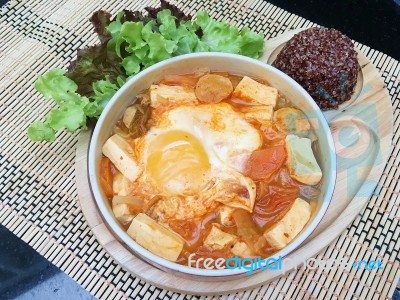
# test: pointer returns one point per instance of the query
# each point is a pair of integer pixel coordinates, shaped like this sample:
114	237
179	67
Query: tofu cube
260	113
122	155
301	160
290	225
218	239
129	114
164	94
225	215
121	185
135	204
126	207
252	91
122	213
156	238
242	250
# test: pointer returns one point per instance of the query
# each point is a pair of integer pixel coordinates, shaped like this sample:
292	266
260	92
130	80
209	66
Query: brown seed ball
323	61
212	88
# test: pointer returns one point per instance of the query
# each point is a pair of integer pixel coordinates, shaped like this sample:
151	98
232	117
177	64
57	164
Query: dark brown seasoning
323	61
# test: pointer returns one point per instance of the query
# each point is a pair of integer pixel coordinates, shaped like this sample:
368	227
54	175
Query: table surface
24	274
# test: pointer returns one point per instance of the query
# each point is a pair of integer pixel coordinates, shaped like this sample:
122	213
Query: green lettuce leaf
222	37
54	85
184	35
70	116
131	64
114	28
131	32
187	39
252	44
160	48
73	109
103	92
167	24
219	36
39	131
129	43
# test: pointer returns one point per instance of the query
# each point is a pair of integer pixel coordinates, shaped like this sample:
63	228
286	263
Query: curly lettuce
73	110
129	43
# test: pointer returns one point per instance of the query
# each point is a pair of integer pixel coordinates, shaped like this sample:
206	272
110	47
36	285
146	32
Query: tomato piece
273	205
106	176
263	163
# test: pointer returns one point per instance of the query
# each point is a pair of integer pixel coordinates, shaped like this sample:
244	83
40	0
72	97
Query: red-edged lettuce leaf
109	58
93	64
100	20
130	42
175	11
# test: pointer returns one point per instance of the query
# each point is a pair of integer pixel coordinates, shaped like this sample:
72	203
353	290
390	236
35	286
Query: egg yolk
177	163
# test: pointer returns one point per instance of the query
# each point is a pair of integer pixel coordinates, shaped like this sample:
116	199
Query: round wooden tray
362	133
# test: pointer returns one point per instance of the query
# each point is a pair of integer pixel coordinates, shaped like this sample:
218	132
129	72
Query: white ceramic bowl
234	64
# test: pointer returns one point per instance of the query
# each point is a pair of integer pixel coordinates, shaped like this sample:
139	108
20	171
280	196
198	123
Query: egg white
227	139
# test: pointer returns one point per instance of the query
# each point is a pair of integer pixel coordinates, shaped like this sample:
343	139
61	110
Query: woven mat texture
38	192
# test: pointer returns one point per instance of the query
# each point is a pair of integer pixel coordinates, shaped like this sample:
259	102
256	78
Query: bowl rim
145	254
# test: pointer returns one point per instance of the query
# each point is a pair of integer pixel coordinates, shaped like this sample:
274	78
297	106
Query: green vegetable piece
219	36
159	47
131	64
186	37
252	44
168	26
131	32
53	84
222	37
114	29
70	116
104	90
202	19
202	47
120	81
92	109
129	43
142	52
39	131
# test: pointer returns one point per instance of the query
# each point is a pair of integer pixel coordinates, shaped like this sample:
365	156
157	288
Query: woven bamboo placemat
38	190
